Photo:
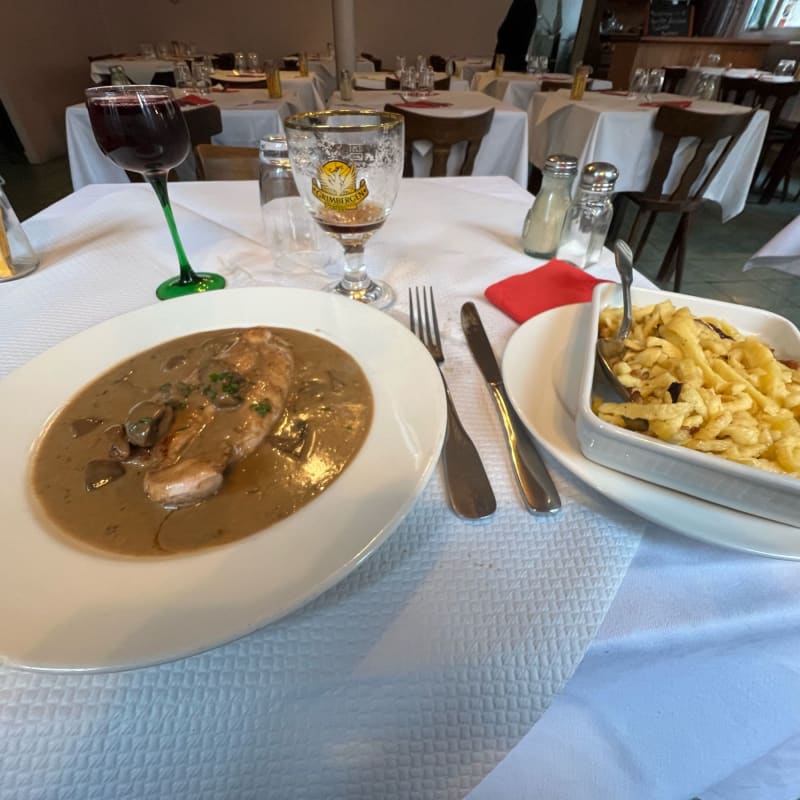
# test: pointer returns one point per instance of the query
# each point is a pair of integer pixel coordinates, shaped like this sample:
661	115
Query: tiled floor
716	252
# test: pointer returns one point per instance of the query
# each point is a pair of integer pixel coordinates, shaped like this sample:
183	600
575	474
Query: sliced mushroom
102	472
147	422
119	447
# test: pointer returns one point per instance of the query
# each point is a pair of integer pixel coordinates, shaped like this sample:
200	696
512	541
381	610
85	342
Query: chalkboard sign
669	19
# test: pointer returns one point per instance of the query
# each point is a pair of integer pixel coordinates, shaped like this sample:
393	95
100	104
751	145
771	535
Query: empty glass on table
252	62
239	62
654	83
786	66
638	83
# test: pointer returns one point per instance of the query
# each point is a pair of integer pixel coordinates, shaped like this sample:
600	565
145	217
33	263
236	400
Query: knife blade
535	483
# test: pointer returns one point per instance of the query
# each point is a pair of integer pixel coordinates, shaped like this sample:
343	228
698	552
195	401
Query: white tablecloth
325	70
606	127
503	151
690	689
517	88
781	252
247	115
415	675
308	90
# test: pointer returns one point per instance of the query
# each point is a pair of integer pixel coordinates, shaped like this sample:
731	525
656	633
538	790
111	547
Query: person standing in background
514	34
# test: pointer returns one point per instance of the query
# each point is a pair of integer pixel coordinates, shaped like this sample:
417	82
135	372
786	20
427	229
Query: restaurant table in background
517	87
138	68
247	115
423	668
781	252
466	67
308	90
503	151
377	80
325	69
618	129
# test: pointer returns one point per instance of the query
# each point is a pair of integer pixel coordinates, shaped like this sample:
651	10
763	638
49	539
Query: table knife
534	481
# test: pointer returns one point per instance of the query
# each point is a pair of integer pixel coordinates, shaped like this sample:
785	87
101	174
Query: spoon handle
624	261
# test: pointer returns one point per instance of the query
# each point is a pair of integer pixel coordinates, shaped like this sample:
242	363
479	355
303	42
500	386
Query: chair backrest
554	86
443	133
203	123
736	90
438	63
677	124
672	78
216	162
224	60
166	78
773	96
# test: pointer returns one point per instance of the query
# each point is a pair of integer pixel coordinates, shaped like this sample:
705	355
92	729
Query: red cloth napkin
193	100
423	104
673	103
556	283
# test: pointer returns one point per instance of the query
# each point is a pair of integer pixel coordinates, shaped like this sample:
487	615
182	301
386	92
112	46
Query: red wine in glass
142	129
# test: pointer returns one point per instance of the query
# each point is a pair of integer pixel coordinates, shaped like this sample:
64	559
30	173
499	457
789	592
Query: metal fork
468	487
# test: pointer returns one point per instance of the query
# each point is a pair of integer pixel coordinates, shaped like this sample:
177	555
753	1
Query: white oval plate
543	363
64	608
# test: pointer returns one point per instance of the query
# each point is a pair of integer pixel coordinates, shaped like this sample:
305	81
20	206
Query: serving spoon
608	349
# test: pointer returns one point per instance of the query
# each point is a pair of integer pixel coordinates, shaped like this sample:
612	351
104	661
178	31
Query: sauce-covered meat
202	440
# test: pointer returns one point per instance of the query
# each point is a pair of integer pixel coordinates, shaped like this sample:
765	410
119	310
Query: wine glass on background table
142	129
347	167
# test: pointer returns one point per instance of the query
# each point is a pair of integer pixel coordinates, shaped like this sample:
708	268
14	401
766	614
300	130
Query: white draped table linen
781	252
247	115
420	671
617	129
308	90
377	80
516	88
503	151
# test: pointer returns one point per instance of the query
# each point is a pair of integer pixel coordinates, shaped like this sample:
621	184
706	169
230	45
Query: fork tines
422	309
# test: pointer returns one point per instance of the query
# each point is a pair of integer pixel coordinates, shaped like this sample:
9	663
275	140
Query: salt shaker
17	257
589	217
541	232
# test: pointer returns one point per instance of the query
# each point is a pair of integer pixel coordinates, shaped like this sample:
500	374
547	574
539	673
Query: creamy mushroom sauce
327	418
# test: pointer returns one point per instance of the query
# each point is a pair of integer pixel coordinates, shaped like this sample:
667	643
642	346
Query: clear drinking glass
409	84
142	129
252	62
655	82
239	62
638	83
17	256
183	77
146	50
786	66
425	81
347	166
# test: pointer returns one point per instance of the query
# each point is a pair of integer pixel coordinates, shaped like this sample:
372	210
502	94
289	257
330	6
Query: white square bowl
704	475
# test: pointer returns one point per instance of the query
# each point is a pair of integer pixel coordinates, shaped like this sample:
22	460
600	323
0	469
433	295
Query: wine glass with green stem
142	129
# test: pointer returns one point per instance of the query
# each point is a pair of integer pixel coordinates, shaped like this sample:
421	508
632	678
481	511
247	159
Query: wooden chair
672	79
772	97
216	162
737	90
443	132
554	86
705	131
166	78
438	63
441	85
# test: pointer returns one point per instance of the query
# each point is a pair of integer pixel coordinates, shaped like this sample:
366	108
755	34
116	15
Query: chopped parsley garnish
262	409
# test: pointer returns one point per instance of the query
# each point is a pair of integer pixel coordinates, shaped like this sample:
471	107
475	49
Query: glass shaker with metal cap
589	217
541	231
17	257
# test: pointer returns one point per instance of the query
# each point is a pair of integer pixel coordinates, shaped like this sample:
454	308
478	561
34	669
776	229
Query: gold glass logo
335	186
